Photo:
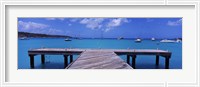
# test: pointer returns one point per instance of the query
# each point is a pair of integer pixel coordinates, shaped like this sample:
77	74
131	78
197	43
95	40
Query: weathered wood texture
99	60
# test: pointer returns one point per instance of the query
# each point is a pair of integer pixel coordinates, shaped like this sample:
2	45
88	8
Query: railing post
65	60
133	61
32	61
157	60
71	58
43	58
128	59
167	62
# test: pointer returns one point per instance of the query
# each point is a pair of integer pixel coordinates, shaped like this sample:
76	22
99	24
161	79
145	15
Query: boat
24	38
67	39
120	38
153	39
178	40
167	41
138	40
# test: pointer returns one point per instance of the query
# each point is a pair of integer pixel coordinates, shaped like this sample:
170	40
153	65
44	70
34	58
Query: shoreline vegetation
39	35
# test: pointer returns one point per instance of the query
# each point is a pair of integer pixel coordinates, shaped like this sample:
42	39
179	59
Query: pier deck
98	58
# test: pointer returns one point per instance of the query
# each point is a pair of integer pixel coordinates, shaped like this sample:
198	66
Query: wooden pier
98	58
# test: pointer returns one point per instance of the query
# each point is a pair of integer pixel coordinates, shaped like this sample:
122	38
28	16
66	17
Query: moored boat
67	39
153	39
138	40
167	41
178	40
24	38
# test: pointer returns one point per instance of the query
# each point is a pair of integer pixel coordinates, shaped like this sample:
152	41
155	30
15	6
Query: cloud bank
175	23
31	25
34	27
105	24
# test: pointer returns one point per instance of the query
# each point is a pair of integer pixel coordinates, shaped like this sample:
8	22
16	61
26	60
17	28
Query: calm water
56	62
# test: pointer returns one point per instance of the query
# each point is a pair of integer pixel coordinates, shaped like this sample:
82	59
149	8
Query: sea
57	61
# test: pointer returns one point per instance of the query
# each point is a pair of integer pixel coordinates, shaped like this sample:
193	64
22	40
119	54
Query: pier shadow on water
149	66
50	65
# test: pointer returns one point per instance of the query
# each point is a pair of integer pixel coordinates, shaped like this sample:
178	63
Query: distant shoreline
37	35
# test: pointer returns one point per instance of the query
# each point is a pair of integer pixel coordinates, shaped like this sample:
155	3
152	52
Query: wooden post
43	58
157	60
71	58
167	62
133	61
128	59
32	61
65	60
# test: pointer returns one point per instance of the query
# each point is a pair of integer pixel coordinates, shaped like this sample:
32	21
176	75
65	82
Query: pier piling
65	60
157	60
71	58
31	61
43	58
128	59
133	61
167	62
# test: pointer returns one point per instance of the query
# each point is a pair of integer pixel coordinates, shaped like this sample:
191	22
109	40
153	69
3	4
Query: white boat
178	40
153	39
167	41
24	38
138	40
67	39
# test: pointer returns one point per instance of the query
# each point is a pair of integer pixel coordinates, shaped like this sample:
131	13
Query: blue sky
104	27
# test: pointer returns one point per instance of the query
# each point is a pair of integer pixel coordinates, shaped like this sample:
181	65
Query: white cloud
174	23
105	24
53	31
62	19
92	23
149	20
50	18
74	19
34	27
115	23
31	25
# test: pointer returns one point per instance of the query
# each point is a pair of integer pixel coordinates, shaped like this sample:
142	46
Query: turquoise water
56	61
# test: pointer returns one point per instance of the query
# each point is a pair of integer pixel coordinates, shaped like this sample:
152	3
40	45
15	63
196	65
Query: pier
98	58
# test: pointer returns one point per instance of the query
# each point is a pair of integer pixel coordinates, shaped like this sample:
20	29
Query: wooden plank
99	60
142	52
55	51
